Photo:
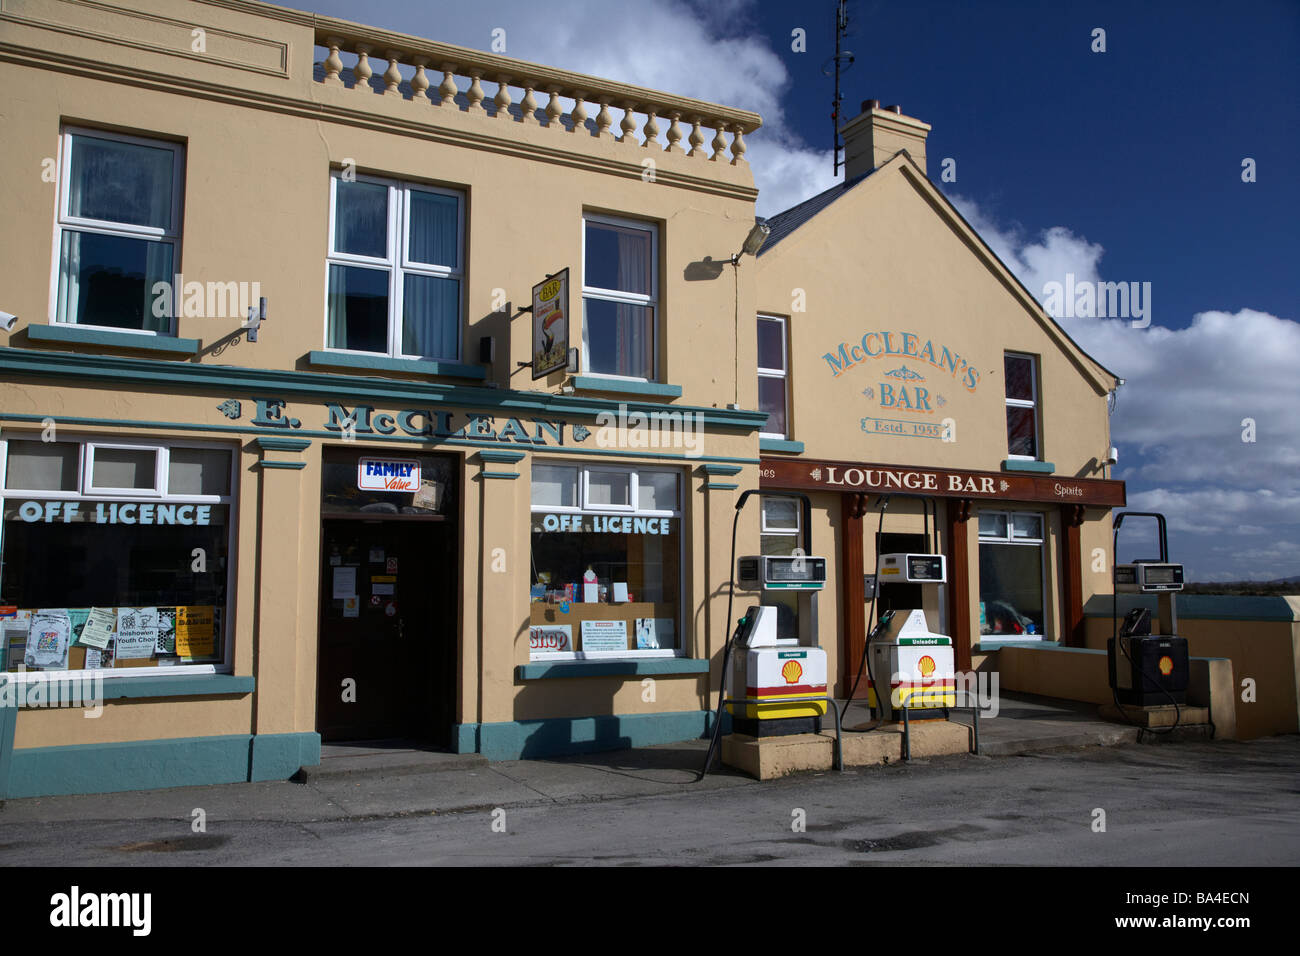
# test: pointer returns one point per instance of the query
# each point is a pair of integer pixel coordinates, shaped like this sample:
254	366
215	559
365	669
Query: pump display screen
1164	575
789	570
923	567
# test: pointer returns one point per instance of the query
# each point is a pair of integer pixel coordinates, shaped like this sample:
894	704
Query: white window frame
397	262
638	512
63	220
1040	543
626	298
798	518
231	501
160	474
1023	403
782	373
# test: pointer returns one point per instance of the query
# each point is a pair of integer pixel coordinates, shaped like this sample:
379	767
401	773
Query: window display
113	554
606	562
1011	575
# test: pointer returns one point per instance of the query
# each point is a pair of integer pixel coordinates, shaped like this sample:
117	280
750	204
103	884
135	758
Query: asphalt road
1183	804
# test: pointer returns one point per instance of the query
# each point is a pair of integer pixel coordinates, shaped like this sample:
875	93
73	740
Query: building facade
365	386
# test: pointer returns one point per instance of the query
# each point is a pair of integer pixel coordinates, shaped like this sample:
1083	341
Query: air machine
1147	669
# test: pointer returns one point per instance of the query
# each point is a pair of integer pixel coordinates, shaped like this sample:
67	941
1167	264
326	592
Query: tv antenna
842	60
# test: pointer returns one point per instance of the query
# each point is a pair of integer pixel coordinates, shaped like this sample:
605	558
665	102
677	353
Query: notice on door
604	635
345	582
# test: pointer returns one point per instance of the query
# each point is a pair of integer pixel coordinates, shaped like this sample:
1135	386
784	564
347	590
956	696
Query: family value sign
388	474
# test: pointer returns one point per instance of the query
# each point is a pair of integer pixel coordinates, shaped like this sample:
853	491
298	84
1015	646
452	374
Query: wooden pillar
958	513
852	507
1072	632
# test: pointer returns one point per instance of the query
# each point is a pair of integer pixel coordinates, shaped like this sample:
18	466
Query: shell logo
1166	665
926	665
792	671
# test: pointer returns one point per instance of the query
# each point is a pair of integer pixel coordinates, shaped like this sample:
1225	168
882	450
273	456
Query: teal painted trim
385	364
545	670
323	386
595	383
511	475
780	444
526	739
280	464
464	738
8	722
426	442
720	469
505	457
59	332
1039	467
198	685
280	756
138	765
1201	607
994	645
721	486
274	443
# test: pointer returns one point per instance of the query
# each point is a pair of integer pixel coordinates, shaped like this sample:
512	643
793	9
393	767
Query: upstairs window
1021	372
118	231
395	269
773	373
619	297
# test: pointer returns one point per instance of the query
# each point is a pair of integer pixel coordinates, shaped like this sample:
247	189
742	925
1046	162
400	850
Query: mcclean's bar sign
388	474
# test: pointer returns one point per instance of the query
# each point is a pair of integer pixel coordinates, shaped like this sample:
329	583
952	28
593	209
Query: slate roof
784	223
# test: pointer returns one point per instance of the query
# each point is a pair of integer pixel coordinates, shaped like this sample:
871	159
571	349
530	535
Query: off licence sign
388	474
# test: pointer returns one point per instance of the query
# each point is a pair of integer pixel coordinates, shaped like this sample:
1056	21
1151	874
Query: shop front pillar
958	515
503	556
853	506
280	562
1072	576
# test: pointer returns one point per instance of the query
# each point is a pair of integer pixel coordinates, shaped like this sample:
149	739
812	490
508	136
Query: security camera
7	321
1113	457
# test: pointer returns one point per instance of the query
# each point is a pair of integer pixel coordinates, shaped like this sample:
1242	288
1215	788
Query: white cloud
1179	419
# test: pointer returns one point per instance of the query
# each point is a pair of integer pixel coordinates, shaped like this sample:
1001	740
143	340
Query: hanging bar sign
551	324
388	474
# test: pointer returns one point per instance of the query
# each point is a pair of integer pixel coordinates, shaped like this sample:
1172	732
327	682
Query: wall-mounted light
256	316
754	241
7	321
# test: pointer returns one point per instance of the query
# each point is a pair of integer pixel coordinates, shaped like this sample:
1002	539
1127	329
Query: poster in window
137	632
166	643
604	635
48	639
196	631
646	638
14	625
551	324
100	624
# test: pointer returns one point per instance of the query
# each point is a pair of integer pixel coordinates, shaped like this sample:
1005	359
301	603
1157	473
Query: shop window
1012	575
619	297
1021	374
395	269
118	231
773	372
606	575
114	556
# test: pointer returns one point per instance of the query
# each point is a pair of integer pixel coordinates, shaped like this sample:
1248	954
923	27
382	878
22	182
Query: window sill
622	386
197	685
60	332
383	363
992	643
544	670
780	444
1041	467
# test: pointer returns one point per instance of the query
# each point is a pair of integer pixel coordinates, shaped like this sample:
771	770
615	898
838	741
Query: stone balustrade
440	76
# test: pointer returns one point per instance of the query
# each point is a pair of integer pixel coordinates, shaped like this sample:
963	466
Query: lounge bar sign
808	475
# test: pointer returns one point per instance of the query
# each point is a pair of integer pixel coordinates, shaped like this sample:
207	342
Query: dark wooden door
392	637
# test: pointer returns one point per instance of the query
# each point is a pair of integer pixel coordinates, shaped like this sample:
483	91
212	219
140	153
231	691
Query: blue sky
1117	166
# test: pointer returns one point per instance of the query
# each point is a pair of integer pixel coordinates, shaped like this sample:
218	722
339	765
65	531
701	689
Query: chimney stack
876	135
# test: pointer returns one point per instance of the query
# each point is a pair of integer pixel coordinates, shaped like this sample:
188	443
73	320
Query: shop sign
810	475
551	324
113	512
602	524
363	420
550	637
388	474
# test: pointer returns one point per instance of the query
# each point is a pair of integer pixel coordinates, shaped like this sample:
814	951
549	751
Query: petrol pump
1146	669
916	663
773	677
